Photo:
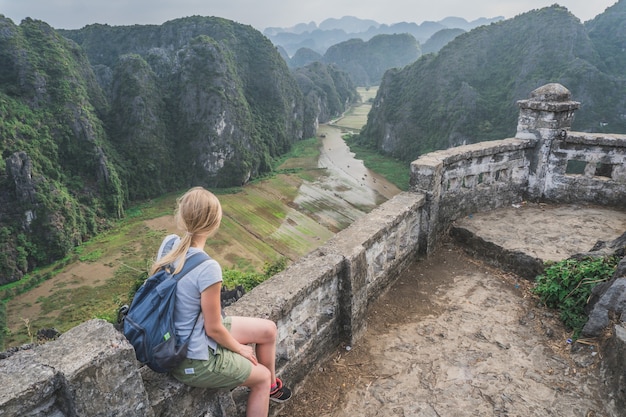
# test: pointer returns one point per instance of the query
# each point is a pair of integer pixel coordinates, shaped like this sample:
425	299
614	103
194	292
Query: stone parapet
467	179
318	303
587	167
89	371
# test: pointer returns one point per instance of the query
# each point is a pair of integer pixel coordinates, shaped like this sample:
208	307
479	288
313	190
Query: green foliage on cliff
608	34
366	62
55	180
467	92
228	100
328	92
96	118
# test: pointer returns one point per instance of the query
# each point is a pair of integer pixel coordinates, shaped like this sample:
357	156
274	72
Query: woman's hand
212	312
247	352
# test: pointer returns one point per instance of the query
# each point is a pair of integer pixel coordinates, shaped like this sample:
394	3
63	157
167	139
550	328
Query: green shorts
223	369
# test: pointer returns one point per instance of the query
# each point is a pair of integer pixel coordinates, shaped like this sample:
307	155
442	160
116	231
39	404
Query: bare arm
212	312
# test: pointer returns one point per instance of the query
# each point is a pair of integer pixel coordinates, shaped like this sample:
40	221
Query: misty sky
74	14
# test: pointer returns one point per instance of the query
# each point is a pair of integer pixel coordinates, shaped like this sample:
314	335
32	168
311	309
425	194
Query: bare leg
259	398
261	332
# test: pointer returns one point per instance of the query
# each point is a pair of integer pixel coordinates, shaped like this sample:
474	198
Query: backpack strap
167	245
193	261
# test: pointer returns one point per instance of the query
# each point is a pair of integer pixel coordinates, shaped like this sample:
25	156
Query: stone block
169	397
29	388
305	301
99	370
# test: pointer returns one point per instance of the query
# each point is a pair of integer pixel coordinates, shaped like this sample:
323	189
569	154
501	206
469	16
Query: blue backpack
149	322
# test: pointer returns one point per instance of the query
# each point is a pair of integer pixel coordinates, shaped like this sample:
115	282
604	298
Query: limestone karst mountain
467	92
95	118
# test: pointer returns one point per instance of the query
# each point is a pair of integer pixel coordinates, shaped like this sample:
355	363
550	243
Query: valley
318	190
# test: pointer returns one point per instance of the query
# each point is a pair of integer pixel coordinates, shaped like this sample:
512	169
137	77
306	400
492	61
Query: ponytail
198	212
175	256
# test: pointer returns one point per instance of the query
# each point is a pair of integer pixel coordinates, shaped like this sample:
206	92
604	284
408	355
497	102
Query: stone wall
544	162
319	303
589	168
468	179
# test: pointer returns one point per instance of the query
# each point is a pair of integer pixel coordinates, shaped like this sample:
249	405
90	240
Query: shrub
232	278
566	286
3	324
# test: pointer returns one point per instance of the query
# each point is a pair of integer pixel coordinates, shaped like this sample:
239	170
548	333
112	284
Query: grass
568	284
119	257
356	117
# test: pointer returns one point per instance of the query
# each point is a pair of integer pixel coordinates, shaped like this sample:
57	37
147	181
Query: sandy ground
455	337
547	232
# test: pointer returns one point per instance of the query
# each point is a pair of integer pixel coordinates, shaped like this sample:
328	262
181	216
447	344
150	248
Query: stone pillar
426	178
546	116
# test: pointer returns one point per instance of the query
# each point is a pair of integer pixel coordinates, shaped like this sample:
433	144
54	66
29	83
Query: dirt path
456	338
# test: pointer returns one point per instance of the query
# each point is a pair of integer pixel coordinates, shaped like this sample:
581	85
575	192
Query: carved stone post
546	116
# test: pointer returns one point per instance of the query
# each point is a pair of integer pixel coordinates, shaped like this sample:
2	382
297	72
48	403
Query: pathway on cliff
455	337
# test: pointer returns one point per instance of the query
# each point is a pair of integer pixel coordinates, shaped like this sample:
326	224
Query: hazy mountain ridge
333	31
607	32
467	92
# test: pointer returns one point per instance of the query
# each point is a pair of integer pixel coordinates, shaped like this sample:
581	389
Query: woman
219	355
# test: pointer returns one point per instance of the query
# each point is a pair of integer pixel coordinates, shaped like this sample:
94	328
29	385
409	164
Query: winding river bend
346	189
335	156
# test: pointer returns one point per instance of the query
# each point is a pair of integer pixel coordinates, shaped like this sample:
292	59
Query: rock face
206	93
105	115
608	299
20	170
328	92
465	93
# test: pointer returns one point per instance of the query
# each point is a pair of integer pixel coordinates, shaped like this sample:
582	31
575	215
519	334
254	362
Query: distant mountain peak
332	31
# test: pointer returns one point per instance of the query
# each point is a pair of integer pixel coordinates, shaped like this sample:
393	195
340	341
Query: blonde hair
198	212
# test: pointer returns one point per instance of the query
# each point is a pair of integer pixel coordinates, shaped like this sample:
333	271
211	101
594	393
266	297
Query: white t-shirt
187	317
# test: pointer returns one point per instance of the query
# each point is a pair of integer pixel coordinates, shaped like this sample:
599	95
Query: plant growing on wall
566	286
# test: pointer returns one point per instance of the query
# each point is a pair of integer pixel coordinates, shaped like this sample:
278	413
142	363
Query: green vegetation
395	171
4	330
249	280
466	93
123	114
566	286
367	61
117	259
328	92
60	296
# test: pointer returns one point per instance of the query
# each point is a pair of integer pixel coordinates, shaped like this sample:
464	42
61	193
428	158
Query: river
346	189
